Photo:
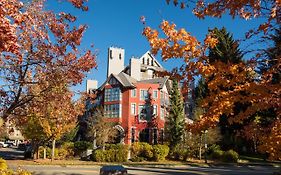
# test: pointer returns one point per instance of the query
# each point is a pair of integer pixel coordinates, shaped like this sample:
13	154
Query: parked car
113	169
3	144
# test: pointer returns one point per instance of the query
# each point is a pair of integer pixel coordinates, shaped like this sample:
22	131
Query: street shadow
173	171
56	174
11	154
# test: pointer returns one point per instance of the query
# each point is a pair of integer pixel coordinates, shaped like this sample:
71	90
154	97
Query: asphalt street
13	154
179	170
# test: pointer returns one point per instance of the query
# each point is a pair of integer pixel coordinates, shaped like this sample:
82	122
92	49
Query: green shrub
48	152
142	149
179	153
217	155
98	156
121	153
230	156
112	153
137	159
213	148
68	149
3	164
160	152
82	146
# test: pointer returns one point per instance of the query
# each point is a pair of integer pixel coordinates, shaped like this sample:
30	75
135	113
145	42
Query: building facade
134	98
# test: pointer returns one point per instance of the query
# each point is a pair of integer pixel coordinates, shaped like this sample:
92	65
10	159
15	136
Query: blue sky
117	23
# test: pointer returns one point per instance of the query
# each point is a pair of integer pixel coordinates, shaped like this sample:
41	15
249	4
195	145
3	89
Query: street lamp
205	144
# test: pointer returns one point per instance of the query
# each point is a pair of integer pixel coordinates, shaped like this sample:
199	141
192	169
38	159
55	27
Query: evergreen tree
201	91
226	50
272	55
176	121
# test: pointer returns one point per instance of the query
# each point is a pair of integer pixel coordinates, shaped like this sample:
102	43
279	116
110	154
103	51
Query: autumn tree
175	121
100	130
3	130
38	47
256	95
51	115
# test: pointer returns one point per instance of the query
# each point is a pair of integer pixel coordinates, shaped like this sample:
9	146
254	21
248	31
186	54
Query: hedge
141	151
230	156
160	152
112	153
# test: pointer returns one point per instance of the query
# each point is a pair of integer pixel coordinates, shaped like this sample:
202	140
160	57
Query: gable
150	60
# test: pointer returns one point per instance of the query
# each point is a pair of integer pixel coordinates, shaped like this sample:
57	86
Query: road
13	154
179	170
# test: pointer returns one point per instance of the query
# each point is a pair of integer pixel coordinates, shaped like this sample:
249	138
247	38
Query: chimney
91	85
115	60
135	68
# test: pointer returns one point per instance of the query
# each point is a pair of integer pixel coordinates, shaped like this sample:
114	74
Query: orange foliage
38	47
228	83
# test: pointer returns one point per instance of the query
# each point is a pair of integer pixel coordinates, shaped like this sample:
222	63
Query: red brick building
133	97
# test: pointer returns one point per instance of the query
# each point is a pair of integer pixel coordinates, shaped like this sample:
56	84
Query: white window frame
133	112
133	92
139	112
144	98
154	94
155	109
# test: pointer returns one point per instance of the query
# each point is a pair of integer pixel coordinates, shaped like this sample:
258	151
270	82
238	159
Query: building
133	97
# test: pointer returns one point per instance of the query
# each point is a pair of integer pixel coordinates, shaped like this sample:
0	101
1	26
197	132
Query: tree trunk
95	141
44	154
200	147
53	149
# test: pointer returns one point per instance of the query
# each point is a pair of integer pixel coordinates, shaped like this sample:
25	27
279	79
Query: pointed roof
161	81
150	55
124	79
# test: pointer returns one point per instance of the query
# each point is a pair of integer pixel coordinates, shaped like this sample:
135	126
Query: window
147	61
133	108
111	110
113	94
113	81
143	94
142	112
133	93
155	94
154	109
152	62
162	113
120	56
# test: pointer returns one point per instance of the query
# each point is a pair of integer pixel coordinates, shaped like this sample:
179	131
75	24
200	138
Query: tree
256	95
176	121
3	130
100	130
50	116
38	47
226	50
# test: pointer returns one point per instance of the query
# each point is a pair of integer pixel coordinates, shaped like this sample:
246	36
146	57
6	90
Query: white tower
115	60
